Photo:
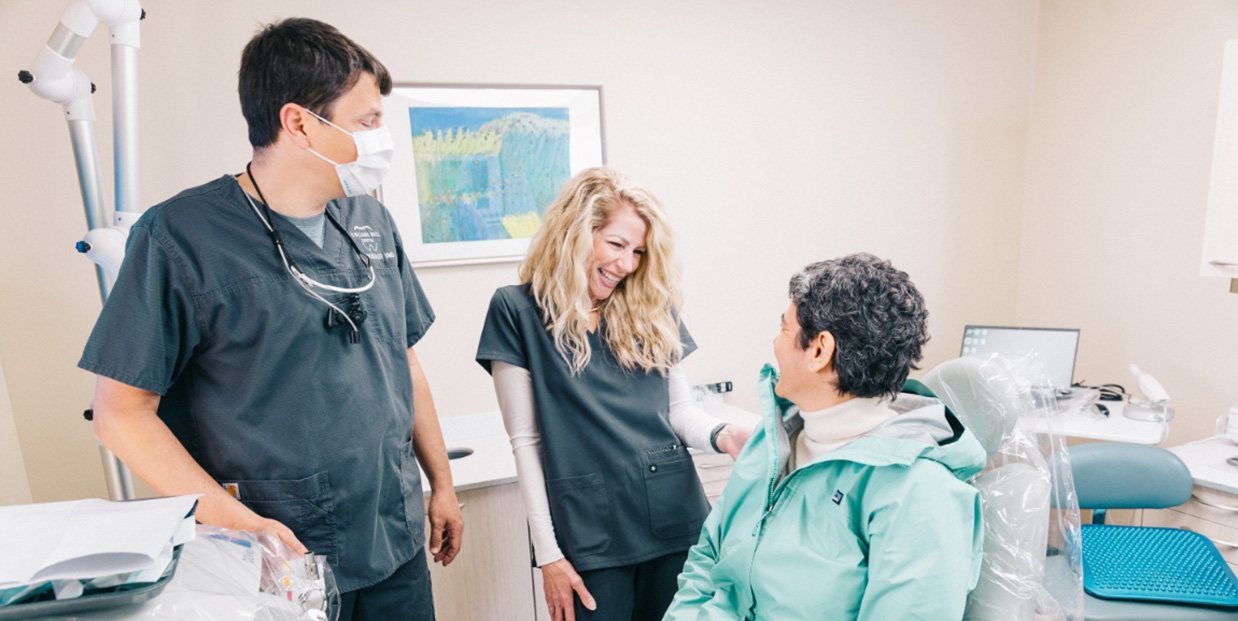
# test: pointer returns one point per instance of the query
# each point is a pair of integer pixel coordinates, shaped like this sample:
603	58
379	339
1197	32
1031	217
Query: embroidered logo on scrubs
838	497
369	239
233	489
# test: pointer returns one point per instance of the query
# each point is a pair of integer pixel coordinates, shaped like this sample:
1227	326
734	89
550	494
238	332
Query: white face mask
374	150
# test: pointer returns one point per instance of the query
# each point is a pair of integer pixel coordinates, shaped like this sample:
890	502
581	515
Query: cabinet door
541	612
489	579
1220	256
714	469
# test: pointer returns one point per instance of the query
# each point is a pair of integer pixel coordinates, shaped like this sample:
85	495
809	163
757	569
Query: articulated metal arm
52	76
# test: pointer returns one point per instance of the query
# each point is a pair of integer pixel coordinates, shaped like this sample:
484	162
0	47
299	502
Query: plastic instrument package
230	575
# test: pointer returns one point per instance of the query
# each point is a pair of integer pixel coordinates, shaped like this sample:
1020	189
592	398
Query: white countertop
1087	423
1206	461
491	462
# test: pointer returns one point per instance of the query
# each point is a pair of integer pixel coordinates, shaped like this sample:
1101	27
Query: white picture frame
455	196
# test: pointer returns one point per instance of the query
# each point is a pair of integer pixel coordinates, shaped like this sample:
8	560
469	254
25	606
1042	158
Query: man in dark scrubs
258	345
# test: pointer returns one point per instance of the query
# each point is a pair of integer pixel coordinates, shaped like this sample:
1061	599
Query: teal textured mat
1156	564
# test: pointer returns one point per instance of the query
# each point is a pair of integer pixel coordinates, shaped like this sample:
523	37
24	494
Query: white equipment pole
53	77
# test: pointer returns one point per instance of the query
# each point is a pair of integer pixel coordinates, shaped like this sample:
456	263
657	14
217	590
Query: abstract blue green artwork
487	173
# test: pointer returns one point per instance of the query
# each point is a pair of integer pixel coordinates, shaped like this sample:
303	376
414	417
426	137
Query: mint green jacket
883	528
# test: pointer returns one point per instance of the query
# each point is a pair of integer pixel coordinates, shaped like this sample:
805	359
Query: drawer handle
1216	542
1216	263
1214	505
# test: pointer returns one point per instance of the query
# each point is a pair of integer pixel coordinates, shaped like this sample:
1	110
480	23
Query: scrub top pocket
677	503
306	506
386	327
580	508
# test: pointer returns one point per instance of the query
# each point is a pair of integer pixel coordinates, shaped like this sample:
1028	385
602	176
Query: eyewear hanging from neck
355	314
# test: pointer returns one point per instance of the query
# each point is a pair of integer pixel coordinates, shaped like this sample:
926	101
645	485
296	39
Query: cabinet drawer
1213	505
712	461
714	469
712	466
713	491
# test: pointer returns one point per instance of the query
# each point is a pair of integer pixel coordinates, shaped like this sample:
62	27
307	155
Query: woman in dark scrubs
585	357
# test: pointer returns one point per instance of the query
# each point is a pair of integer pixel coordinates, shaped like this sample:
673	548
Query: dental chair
1155	571
1015	488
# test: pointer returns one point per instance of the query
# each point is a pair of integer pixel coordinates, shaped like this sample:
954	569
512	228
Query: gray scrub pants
640	592
404	595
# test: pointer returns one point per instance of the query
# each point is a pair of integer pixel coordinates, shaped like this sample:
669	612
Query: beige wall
14	487
1119	155
777	134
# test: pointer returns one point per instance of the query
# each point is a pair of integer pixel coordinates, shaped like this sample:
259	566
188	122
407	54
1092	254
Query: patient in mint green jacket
851	501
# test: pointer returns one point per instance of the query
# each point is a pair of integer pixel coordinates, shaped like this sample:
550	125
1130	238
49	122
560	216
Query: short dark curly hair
302	61
876	315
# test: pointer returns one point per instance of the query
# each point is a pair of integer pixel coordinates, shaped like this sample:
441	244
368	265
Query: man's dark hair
302	61
874	312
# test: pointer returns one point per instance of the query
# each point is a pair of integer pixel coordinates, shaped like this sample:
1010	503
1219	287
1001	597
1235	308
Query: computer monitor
1054	349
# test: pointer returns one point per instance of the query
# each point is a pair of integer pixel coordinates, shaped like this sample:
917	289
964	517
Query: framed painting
476	165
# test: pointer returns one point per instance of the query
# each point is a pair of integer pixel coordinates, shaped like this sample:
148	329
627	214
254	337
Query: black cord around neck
270	227
268	222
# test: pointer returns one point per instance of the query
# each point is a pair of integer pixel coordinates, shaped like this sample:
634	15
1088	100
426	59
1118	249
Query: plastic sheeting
228	575
1031	514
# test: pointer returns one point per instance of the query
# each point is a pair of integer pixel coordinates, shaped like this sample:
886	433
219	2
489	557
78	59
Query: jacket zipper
776	495
778	489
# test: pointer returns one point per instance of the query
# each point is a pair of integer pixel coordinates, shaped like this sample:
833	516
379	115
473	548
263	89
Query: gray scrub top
314	430
621	486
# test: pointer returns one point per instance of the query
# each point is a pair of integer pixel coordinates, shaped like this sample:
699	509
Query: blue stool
1134	572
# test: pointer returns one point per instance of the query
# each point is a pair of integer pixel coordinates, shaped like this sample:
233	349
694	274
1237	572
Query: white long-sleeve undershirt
514	387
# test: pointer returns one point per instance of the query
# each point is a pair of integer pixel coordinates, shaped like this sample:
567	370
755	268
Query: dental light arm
52	76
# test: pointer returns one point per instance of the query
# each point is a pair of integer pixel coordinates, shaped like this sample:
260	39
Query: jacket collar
924	429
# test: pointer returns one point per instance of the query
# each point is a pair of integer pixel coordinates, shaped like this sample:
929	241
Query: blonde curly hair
641	322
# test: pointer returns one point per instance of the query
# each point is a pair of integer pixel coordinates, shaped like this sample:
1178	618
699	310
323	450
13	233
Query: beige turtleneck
828	429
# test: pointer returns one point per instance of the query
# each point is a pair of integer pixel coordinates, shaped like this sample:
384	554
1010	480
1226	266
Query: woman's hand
732	439
561	584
